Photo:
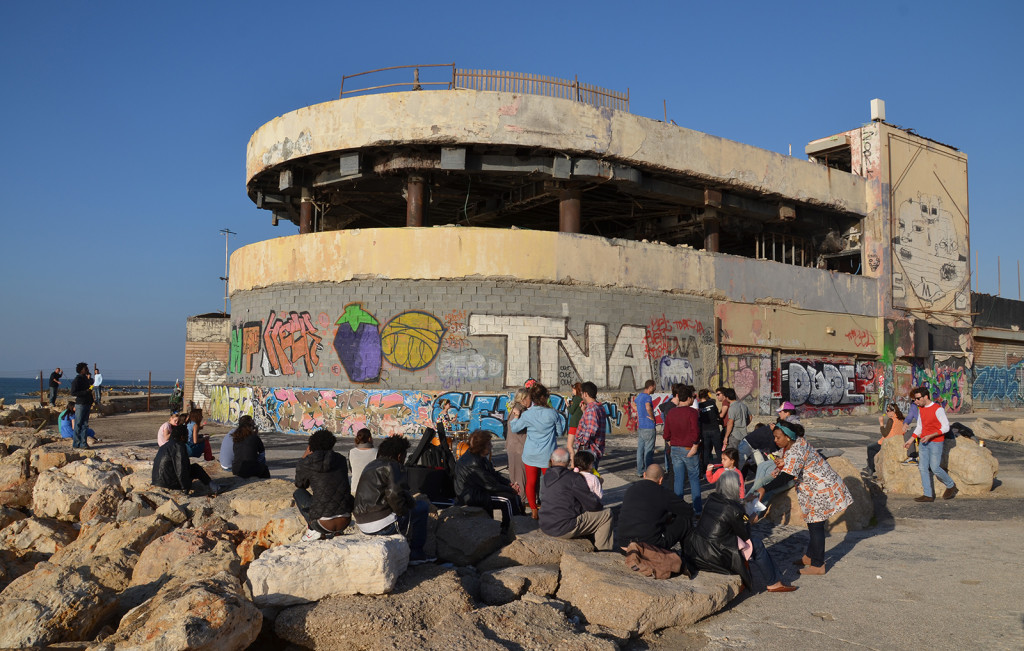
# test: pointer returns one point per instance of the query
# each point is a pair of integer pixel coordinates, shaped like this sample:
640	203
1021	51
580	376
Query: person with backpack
384	505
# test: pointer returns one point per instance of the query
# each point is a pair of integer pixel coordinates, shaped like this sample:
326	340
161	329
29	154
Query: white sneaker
311	535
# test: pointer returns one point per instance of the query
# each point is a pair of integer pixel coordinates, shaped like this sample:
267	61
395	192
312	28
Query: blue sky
125	124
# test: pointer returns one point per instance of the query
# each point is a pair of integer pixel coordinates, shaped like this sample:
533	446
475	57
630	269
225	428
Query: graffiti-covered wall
206	357
433	337
832	385
384	411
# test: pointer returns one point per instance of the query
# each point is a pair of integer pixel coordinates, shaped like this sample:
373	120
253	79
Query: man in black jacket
571	510
172	468
328	510
81	389
384	505
652	514
55	384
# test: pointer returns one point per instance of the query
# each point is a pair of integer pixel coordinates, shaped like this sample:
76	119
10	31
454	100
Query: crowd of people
705	438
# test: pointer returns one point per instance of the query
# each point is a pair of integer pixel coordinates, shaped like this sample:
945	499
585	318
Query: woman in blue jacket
543	426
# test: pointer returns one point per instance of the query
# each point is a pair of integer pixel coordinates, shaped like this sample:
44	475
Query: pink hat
786	406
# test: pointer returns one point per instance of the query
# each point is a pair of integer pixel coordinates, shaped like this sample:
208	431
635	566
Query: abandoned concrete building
459	238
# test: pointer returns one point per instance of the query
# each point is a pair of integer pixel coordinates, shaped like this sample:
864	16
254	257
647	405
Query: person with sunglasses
930	434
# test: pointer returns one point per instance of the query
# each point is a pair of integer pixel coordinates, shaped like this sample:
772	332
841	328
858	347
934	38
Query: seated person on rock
477	483
66	422
384	506
362	454
756	446
715	544
172	468
328	510
248	452
652	514
164	433
571	510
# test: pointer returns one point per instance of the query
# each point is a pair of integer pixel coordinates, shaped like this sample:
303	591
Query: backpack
431	467
652	561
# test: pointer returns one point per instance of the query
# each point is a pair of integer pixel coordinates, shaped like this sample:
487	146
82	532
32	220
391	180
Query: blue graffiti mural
999	383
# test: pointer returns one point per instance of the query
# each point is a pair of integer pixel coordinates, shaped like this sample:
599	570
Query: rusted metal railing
498	80
415	84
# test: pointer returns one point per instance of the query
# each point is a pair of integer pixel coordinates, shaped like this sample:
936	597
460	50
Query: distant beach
16	388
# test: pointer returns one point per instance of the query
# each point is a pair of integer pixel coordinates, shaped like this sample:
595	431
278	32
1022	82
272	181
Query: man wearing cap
788	412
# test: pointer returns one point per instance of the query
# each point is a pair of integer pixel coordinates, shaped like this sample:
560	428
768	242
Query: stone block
534	548
346	565
466	535
502	586
609	594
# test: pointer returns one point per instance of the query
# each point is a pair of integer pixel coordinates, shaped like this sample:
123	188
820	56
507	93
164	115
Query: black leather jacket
325	474
171	467
382	490
712	545
476	480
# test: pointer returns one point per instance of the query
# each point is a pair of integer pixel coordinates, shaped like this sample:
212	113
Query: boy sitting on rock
384	504
328	510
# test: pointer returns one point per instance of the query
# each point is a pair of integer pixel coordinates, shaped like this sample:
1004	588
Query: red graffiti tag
861	338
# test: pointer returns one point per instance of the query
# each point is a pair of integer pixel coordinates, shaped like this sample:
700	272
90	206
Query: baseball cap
786	406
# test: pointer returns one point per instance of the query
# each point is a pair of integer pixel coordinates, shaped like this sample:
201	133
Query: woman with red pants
543	426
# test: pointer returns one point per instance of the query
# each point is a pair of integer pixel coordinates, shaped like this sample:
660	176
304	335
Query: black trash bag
959	429
431	467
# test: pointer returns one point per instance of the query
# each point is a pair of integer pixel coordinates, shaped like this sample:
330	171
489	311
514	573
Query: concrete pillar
415	206
306	212
569	200
710	229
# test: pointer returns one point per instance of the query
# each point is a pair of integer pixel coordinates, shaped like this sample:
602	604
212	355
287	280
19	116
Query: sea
16	388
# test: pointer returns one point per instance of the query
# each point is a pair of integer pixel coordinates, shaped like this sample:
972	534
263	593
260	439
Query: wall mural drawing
358	345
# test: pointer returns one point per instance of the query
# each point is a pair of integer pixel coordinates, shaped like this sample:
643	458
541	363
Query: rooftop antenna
227	234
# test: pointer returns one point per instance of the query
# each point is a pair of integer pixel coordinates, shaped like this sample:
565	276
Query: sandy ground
943	575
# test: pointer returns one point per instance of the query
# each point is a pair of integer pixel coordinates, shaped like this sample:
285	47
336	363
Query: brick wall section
206	357
497	333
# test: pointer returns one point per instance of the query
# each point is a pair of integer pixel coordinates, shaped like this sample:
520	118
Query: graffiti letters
1003	384
820	383
290	341
861	338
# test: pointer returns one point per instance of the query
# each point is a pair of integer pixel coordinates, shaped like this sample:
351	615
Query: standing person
738	416
575	410
55	384
322	492
889	424
516	441
820	491
361	455
543	426
591	431
682	432
97	382
629	407
710	429
81	389
645	434
930	434
478	484
909	425
384	505
249	453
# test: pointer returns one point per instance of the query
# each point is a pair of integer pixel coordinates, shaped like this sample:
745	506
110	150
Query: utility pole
227	234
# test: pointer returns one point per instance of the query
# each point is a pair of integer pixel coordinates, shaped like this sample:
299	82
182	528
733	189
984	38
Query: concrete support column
415	206
710	230
306	212
569	201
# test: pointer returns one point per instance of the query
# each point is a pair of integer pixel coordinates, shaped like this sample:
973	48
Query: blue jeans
762	560
414	525
930	456
644	449
683	466
53	396
745	452
81	425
